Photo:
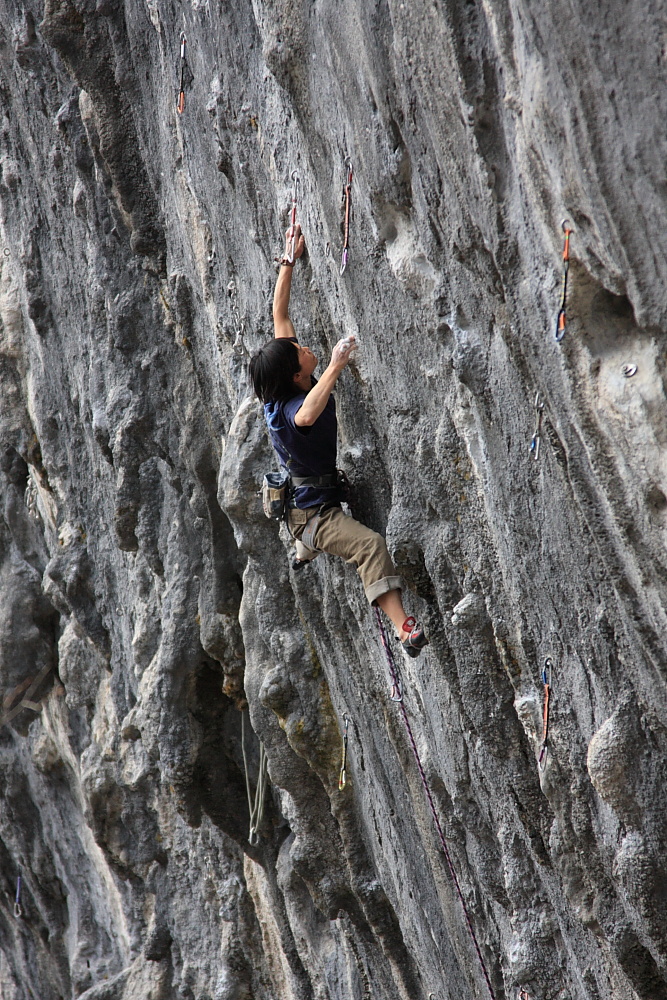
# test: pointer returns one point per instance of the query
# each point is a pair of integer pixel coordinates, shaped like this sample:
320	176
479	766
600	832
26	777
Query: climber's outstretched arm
282	324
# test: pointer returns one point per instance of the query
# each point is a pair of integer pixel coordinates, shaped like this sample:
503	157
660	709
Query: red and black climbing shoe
416	639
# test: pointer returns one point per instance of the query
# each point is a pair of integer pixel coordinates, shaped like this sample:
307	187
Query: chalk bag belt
331	479
546	680
561	319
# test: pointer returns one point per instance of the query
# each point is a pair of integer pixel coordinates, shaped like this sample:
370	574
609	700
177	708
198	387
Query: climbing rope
256	805
342	780
347	201
180	107
561	319
18	911
291	245
546	680
537	434
397	686
429	796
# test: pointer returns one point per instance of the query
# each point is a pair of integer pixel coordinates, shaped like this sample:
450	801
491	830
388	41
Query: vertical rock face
146	601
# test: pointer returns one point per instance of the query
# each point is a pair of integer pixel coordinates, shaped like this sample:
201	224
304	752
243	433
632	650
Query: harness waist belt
331	479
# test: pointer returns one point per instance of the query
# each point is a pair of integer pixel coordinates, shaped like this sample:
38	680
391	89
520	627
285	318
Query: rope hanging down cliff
256	805
436	819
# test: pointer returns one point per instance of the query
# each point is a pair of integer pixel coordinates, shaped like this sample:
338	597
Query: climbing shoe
416	639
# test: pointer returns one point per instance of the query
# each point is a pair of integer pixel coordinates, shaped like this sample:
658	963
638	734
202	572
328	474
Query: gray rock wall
144	597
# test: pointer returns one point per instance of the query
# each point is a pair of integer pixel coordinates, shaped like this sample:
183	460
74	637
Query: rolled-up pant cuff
383	586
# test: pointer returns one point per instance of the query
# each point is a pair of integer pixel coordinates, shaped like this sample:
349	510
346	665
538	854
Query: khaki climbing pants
340	535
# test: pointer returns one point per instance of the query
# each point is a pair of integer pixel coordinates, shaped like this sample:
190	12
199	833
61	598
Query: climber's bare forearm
282	324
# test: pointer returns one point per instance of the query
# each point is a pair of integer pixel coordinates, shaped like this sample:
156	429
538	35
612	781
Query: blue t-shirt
305	451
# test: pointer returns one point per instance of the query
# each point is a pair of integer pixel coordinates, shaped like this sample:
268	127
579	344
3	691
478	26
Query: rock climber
300	414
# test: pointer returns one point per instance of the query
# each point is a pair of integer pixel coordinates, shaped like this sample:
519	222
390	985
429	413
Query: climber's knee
380	587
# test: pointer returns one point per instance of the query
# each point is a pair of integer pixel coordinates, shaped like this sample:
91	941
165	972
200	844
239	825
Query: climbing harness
397	686
434	812
256	806
546	680
291	246
537	434
561	319
347	201
342	780
18	911
180	107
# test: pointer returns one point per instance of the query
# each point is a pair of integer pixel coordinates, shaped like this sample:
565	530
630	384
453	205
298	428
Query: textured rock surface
144	597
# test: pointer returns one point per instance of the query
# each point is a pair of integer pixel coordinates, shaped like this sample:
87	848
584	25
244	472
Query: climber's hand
341	353
299	241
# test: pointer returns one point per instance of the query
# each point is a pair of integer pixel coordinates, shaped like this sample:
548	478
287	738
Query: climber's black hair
272	370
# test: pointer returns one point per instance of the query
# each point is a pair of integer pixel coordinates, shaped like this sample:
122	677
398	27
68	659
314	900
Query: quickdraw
18	911
537	434
342	780
546	680
561	319
397	687
291	244
347	201
180	107
256	806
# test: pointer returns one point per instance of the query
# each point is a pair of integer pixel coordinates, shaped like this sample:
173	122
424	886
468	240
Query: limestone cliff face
144	598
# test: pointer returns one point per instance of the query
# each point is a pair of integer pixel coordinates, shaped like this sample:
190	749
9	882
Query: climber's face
307	361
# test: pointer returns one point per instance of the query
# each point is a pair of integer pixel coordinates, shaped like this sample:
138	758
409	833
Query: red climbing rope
429	796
